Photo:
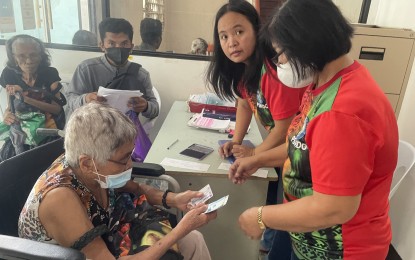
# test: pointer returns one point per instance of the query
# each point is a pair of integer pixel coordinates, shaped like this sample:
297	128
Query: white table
223	235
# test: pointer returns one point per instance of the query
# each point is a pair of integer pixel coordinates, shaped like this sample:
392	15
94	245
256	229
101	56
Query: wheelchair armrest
156	171
147	169
19	248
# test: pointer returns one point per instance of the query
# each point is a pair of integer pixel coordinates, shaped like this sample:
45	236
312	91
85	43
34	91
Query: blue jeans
293	256
267	238
276	241
281	246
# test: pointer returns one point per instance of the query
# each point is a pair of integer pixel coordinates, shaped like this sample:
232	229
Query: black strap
11	104
133	70
90	235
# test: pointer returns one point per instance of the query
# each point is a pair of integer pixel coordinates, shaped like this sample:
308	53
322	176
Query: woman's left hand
241	151
182	200
248	222
12	89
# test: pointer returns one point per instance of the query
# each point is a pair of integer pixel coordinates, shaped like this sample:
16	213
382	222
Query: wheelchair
18	175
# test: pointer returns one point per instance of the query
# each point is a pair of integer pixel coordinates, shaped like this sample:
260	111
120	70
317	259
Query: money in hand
207	194
217	204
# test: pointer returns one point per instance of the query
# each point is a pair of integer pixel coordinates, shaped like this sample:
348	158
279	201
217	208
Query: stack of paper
118	98
199	121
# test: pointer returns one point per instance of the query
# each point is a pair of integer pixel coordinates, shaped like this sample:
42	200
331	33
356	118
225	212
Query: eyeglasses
276	57
24	57
122	163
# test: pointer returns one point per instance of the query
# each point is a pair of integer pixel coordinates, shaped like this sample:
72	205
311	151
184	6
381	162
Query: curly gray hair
98	131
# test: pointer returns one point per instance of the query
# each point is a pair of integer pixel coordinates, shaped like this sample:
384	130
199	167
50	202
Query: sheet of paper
209	123
118	98
217	204
203	167
262	173
207	194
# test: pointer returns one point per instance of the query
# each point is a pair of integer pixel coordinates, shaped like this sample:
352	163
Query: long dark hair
310	33
44	54
223	74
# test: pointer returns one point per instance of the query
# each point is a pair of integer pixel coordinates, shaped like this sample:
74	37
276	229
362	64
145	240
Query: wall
185	20
399	13
350	9
132	11
189	19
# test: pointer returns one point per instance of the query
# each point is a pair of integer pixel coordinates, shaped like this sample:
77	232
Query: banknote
207	194
217	204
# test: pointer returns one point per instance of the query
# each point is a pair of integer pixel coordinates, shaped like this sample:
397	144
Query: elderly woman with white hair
34	85
75	196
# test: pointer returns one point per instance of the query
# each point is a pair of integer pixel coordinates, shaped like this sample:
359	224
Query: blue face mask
114	181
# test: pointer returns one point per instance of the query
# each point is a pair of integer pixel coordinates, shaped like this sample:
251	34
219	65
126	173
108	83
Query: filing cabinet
388	53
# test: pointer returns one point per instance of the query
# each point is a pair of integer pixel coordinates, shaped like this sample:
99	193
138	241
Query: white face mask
114	181
288	76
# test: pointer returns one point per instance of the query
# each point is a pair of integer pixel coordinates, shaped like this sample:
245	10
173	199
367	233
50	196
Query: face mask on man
114	181
118	55
289	77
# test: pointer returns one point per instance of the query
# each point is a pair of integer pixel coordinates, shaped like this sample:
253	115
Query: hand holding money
207	194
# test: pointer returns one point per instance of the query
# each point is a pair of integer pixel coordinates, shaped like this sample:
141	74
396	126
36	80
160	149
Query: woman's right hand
226	149
242	169
195	218
9	118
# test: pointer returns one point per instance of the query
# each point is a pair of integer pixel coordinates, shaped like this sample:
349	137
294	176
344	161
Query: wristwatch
259	218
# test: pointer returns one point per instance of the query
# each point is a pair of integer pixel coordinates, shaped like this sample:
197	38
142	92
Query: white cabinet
388	53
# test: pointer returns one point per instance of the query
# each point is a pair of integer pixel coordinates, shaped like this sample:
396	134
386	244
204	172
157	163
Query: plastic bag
29	122
142	142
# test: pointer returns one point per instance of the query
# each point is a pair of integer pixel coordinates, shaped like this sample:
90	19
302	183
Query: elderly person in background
199	47
29	77
76	194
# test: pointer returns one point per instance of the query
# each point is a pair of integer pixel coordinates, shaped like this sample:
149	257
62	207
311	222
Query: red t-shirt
274	100
344	143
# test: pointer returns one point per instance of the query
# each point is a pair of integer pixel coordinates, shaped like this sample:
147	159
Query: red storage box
195	107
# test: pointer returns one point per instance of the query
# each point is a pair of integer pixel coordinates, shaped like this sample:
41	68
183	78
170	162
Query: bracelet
163	199
259	218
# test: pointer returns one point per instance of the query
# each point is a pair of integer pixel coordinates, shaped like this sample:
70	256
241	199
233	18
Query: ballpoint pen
170	146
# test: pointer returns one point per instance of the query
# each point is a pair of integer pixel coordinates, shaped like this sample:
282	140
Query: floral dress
60	174
148	224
